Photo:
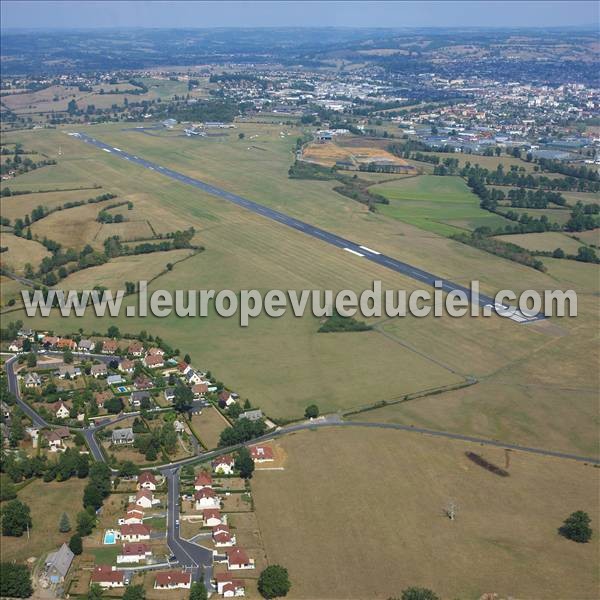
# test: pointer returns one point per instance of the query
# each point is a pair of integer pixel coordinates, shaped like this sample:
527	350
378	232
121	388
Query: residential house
154	351
136	349
203	479
147	481
127	366
99	370
49	341
106	576
252	415
54	441
224	465
134	553
193	377
262	454
110	346
60	409
102	397
206	498
134	515
212	517
16	345
33	433
145	499
32	380
114	380
136	398
68	371
142	383
58	564
171	580
227	397
66	344
86	346
183	367
153	361
178	426
228	586
136	532
122	436
238	559
169	394
222	536
200	389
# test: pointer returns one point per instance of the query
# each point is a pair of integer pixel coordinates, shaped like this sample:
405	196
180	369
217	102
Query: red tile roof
135	529
203	478
105	573
135	548
173	578
261	453
237	556
146	477
210	513
204	492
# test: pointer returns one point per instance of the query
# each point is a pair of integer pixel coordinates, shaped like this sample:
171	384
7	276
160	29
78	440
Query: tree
244	463
76	544
85	523
95	592
577	527
187	359
64	525
113	332
92	497
274	582
128	469
183	398
417	593
198	591
586	254
312	411
7	489
558	253
15	581
31	360
135	592
16	517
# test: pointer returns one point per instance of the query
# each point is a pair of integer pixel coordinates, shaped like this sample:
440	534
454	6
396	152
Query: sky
67	14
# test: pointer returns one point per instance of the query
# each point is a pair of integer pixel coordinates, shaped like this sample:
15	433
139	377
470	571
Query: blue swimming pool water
121	389
109	537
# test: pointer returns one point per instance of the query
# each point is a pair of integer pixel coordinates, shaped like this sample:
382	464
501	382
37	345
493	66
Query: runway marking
117	149
107	150
353	251
369	250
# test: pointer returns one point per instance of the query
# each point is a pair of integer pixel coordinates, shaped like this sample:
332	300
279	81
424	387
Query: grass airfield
283	364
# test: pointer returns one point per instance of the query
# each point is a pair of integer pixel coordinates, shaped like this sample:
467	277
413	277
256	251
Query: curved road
198	559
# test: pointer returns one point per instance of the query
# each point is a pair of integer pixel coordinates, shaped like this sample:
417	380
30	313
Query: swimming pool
110	537
121	389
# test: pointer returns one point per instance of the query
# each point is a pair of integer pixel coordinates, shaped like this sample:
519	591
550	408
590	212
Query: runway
354	249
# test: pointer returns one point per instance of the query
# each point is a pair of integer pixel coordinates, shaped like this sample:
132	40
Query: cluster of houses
135	537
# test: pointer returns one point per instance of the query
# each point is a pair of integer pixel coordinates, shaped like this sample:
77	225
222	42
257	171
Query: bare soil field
329	153
377	499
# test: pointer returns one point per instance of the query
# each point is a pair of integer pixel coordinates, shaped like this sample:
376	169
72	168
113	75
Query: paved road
358	251
190	556
13	388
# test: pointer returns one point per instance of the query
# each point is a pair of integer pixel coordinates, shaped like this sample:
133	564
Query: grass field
20	252
378	501
47	502
208	426
282	365
549	240
588	237
18	206
583	197
442	205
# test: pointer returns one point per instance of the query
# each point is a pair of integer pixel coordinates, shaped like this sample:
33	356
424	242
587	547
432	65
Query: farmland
548	241
328	154
381	497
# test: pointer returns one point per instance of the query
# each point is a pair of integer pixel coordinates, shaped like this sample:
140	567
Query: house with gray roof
58	564
252	415
86	346
122	436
